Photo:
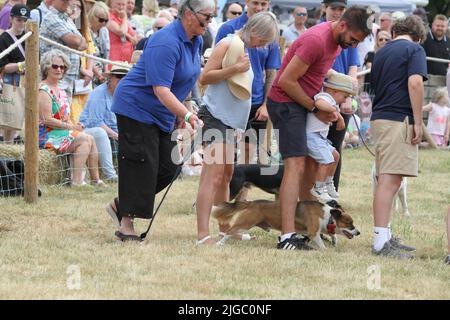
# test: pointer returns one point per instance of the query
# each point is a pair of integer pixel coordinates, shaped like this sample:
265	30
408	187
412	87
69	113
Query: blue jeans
104	151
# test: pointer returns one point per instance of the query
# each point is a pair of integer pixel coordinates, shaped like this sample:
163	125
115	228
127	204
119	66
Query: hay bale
53	168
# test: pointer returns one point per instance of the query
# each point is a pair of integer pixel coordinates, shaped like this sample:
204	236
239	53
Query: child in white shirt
336	90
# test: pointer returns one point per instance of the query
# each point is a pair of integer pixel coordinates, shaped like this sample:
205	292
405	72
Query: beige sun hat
119	70
240	84
341	82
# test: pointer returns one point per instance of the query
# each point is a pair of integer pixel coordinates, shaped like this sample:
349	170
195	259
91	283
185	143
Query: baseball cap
20	10
335	3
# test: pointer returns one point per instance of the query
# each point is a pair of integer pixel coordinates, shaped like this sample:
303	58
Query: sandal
127	237
99	183
114	214
244	236
203	241
78	185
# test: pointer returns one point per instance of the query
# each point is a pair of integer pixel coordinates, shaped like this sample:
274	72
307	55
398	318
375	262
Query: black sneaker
447	260
396	243
293	243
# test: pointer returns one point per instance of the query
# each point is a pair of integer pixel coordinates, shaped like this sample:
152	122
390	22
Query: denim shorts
319	148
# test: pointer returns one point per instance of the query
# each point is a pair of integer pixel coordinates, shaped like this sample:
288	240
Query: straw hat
240	84
119	70
340	82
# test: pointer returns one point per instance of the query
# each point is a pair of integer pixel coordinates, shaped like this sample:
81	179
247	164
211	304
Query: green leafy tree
438	6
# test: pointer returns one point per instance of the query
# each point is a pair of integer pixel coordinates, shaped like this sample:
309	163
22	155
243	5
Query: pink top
437	119
317	48
120	51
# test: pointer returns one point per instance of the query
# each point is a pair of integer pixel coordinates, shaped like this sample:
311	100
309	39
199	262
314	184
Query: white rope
15	44
363	73
89	56
438	60
367	71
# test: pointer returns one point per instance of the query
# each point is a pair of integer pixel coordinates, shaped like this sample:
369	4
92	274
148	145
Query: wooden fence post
31	113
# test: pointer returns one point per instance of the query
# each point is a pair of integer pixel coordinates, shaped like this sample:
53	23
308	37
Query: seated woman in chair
56	131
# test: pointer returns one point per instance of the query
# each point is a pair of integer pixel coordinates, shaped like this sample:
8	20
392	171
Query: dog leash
261	145
360	135
175	177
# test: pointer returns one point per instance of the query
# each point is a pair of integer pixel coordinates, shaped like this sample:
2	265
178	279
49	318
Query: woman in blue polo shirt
147	103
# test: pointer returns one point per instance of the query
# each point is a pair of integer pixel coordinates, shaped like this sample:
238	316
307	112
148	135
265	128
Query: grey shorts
289	118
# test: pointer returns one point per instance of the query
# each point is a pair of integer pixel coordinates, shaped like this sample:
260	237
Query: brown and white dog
311	217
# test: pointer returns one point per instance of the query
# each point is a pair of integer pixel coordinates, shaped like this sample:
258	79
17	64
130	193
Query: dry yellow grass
41	245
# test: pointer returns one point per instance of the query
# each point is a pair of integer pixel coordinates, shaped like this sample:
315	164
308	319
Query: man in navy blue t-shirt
398	72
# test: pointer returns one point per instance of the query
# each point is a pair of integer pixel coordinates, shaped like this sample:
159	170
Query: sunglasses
57	66
236	13
119	76
101	20
208	17
158	28
384	39
301	14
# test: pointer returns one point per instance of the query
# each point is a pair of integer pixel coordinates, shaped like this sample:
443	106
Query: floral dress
58	140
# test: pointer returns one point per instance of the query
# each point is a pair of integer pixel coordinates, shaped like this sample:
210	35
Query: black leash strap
197	139
360	135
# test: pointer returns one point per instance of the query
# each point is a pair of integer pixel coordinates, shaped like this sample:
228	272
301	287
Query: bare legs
8	136
289	191
84	152
214	184
387	186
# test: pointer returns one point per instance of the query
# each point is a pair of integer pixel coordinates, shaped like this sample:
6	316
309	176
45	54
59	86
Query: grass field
64	248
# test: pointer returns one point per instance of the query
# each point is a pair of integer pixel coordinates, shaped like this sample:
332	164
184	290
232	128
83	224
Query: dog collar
331	226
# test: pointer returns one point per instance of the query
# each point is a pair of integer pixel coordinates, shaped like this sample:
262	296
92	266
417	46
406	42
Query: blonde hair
47	61
150	7
438	94
381	33
263	25
96	8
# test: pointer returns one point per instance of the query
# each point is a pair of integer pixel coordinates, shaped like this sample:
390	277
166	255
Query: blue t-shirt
348	58
169	60
392	66
97	111
261	59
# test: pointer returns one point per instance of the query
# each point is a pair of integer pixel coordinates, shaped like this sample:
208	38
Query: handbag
12	107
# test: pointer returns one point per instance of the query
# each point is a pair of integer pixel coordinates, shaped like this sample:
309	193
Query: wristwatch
314	110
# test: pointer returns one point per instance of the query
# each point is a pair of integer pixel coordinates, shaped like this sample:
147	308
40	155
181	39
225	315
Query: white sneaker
331	190
321	194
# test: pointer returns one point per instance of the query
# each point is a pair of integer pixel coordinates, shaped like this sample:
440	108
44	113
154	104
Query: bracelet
188	116
20	67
